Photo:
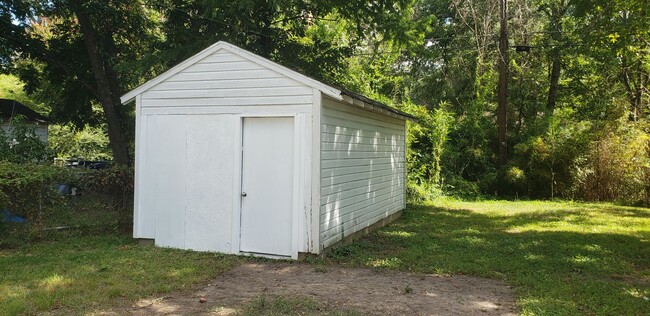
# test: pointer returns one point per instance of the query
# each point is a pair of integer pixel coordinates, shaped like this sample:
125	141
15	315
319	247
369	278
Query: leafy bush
21	144
29	190
103	200
616	167
116	185
90	143
426	142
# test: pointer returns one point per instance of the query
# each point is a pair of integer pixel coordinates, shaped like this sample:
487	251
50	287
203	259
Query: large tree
78	53
72	54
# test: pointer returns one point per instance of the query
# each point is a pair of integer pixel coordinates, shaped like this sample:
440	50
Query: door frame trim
298	123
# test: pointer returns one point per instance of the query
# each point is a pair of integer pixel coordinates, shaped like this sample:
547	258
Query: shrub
615	168
21	144
116	185
102	203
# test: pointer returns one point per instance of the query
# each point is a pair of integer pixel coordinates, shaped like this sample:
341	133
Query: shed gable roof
333	92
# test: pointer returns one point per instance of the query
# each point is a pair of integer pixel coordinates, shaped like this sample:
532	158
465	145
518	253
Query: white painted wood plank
247	109
330	164
340	171
225	84
349	120
222	66
334	108
327	146
371	175
363	199
137	176
169	157
359	212
227	93
356	192
315	244
341	187
347	227
357	216
343	227
359	139
222	56
221	75
356	130
344	155
209	182
399	149
282	100
145	180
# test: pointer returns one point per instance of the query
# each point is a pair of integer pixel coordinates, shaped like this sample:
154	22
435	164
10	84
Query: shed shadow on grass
579	259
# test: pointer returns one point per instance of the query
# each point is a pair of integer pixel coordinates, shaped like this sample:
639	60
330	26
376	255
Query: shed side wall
362	169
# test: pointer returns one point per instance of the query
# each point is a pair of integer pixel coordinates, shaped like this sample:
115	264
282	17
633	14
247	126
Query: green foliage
426	142
560	258
103	200
29	190
12	88
616	167
21	144
541	160
89	143
579	76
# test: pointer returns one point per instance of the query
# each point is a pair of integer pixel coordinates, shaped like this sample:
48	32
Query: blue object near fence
9	217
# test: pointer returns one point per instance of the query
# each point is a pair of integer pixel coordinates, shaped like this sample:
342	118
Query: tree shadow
567	260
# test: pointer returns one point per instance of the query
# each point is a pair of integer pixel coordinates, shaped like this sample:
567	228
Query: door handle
244	194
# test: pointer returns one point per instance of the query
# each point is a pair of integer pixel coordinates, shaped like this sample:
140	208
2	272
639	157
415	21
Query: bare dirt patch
365	291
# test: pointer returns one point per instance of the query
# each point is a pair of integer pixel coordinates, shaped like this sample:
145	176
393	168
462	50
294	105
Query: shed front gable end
224	78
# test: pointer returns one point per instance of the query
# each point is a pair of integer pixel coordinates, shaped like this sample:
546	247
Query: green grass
84	274
562	258
277	305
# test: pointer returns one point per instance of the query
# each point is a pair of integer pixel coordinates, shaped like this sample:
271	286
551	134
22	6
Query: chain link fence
42	202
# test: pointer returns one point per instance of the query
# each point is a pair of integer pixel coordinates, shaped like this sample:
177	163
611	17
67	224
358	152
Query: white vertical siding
209	177
186	196
168	157
362	169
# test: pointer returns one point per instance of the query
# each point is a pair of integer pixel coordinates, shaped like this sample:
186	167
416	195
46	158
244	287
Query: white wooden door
267	186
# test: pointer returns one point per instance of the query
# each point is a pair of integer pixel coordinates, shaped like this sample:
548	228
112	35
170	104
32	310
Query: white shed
238	154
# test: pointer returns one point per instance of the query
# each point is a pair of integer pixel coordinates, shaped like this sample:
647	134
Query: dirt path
365	291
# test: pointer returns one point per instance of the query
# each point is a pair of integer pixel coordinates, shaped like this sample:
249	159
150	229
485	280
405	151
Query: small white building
9	109
237	154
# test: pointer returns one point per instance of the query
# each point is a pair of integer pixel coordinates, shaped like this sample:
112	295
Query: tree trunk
555	15
554	84
502	111
109	99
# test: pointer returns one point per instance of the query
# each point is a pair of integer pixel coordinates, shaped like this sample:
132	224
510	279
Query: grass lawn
562	258
85	274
